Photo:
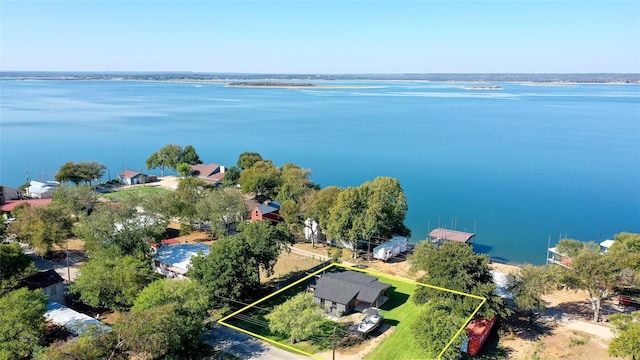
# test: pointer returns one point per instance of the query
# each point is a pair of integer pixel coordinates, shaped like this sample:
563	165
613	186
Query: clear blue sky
321	36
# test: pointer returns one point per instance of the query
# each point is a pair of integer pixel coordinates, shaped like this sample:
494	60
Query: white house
41	190
129	177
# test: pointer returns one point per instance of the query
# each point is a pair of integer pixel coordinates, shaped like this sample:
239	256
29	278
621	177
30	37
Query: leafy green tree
266	242
593	272
626	343
75	199
68	172
347	219
190	156
21	322
149	333
112	280
320	205
185	198
231	177
626	249
295	182
572	247
528	286
455	266
14	265
190	301
121	228
247	159
377	208
386	207
229	271
87	346
168	156
298	317
433	328
82	171
42	227
222	208
184	170
262	179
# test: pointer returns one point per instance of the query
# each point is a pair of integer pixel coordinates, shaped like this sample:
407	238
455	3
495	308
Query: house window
53	290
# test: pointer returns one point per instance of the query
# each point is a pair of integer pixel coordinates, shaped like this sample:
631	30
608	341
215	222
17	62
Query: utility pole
68	268
334	343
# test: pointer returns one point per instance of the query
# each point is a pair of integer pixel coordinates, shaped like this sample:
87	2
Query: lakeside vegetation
118	274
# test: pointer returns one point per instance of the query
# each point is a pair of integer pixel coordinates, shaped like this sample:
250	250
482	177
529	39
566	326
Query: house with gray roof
269	210
344	292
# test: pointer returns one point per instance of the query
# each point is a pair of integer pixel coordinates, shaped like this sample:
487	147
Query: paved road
59	266
246	347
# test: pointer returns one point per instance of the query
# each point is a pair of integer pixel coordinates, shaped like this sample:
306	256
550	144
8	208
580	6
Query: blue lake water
519	165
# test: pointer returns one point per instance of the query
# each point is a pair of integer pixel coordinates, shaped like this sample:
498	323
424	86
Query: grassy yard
138	190
399	311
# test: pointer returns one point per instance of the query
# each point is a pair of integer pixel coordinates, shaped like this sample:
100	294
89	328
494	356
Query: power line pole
334	343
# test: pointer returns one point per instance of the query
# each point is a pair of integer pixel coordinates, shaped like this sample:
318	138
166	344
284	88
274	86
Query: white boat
371	321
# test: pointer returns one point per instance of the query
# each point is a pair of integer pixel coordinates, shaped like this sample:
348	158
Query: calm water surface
519	165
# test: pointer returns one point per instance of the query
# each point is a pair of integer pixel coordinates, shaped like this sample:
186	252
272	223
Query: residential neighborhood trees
626	343
221	208
228	272
21	322
298	317
168	156
435	325
188	302
247	159
528	285
82	171
119	227
261	179
111	279
75	199
189	156
266	242
14	265
42	227
456	267
377	208
593	272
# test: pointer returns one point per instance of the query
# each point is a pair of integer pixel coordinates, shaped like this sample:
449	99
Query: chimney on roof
222	169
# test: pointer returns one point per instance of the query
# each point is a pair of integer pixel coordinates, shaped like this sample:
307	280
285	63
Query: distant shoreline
523	78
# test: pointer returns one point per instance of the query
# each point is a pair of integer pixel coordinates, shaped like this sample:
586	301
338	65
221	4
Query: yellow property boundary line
222	321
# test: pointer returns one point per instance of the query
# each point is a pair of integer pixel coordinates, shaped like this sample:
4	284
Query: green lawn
139	190
399	311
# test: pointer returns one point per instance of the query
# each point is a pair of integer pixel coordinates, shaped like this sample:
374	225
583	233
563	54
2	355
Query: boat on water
371	321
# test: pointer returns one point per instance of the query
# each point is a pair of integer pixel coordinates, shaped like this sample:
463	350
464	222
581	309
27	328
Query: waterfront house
210	173
344	292
558	258
130	177
50	282
269	210
41	190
